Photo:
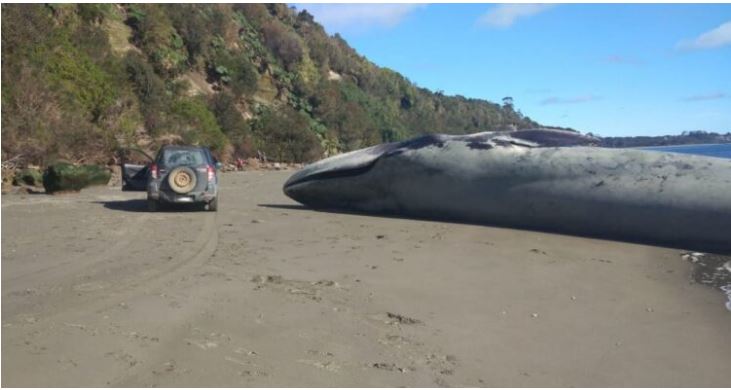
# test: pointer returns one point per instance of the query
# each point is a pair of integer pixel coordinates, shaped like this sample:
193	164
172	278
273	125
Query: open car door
135	169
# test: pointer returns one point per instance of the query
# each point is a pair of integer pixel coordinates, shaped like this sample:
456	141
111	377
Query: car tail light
211	173
154	172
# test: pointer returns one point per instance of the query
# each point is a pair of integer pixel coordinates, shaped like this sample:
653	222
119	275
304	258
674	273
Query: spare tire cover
182	180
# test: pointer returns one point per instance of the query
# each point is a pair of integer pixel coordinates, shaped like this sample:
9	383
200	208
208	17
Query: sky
608	69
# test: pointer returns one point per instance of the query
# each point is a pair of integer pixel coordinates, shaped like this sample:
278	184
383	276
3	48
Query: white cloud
704	97
339	17
505	15
719	36
571	100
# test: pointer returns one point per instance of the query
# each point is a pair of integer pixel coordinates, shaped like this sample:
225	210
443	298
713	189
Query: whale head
330	182
346	180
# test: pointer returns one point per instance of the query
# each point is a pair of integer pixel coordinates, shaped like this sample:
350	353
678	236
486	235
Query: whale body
534	179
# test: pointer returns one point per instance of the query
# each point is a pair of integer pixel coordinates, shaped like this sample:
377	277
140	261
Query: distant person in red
239	163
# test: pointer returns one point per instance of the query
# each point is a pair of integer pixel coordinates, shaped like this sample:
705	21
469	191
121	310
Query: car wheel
153	205
213	205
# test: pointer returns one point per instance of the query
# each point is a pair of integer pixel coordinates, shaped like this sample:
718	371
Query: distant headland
685	138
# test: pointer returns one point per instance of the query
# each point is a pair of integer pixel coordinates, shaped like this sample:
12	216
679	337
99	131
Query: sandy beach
96	291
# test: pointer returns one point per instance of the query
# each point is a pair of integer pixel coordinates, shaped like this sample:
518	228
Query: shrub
98	174
235	71
287	135
64	176
82	80
283	43
156	36
231	122
92	13
29	176
149	88
196	124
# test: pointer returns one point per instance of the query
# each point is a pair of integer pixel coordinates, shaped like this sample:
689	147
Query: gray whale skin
534	179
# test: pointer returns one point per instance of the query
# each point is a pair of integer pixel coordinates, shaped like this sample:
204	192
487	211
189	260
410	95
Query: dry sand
98	292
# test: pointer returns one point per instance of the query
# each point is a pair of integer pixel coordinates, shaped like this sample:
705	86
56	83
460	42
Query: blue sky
610	69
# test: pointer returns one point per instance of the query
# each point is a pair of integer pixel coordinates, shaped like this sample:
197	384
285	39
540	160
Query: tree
233	125
508	103
150	90
283	43
286	135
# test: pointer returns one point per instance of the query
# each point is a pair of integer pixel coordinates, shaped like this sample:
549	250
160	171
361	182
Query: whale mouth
344	165
330	174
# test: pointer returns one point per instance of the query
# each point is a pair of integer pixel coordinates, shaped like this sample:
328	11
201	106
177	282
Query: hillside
79	81
686	138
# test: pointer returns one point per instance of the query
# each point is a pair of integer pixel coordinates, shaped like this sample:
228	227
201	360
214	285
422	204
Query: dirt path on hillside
98	292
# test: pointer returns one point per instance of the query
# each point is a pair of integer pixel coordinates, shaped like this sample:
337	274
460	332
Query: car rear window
173	158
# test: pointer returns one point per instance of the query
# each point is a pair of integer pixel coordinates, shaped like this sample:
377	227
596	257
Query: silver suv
179	174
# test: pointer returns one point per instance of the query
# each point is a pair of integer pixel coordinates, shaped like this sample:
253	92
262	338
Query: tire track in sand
110	289
130	231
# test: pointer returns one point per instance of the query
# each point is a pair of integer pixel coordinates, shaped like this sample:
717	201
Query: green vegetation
63	176
98	175
686	138
81	80
29	176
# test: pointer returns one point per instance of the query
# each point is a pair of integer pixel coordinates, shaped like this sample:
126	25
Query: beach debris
326	283
169	365
380	236
274	279
401	319
534	315
202	344
602	260
244	351
389	367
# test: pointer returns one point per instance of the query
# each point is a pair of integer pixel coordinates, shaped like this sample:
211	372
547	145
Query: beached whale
535	179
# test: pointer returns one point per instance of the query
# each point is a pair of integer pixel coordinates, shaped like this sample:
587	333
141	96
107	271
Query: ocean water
712	150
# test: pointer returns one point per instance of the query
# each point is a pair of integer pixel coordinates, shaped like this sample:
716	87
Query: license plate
184	199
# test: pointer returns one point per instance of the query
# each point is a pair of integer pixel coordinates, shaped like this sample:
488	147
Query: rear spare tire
182	180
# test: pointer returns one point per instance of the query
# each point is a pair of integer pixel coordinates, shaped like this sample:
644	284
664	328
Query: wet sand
98	292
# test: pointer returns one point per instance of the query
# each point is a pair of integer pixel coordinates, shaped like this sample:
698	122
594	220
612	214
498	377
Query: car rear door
135	169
